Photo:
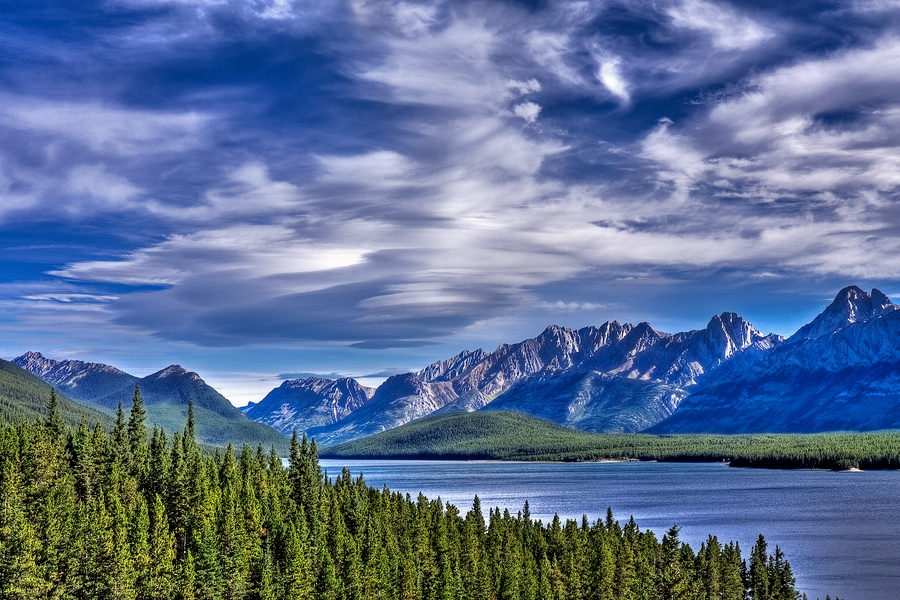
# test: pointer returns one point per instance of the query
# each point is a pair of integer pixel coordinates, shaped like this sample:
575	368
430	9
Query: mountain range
839	372
166	394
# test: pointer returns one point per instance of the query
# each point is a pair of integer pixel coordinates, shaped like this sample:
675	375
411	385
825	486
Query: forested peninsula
506	435
131	514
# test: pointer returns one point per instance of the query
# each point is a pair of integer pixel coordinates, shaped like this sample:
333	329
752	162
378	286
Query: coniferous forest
133	514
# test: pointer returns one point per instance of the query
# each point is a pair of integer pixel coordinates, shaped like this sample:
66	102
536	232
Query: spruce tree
137	434
20	575
758	583
54	421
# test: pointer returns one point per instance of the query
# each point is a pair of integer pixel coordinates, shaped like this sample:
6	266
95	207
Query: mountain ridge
628	378
577	369
166	394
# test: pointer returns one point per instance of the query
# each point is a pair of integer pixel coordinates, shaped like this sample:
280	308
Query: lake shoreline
772	464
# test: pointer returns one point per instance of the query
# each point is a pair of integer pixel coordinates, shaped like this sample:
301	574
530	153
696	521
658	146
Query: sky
269	189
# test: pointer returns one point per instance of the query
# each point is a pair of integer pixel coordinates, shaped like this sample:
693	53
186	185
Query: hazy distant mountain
303	404
840	372
165	393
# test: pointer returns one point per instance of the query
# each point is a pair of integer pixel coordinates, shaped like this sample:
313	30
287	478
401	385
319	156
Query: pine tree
137	434
758	583
54	422
674	579
120	454
299	582
20	576
781	577
160	575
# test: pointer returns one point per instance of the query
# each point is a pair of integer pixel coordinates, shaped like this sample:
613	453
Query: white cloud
728	29
100	186
448	68
550	50
528	111
247	193
611	77
70	298
246	252
105	129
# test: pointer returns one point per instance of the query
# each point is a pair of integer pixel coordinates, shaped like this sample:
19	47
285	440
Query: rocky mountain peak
732	333
851	305
451	368
35	362
172	371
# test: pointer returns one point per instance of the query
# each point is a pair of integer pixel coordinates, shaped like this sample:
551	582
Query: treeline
132	514
499	435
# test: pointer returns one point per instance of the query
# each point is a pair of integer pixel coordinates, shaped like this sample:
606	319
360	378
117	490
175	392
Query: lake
839	531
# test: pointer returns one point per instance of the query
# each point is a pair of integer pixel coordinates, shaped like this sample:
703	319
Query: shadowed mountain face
166	394
610	378
840	372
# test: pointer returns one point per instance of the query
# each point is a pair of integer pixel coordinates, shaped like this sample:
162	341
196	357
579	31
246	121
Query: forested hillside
503	435
88	513
24	396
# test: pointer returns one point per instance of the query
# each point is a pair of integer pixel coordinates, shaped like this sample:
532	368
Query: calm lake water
840	531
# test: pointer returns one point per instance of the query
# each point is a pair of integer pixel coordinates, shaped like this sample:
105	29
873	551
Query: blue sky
259	189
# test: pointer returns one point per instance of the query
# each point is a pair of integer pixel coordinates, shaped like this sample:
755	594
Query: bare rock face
851	305
302	404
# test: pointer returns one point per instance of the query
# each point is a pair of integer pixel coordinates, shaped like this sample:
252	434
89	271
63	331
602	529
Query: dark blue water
840	531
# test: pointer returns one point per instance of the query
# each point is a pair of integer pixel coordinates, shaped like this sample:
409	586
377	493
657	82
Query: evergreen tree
54	421
758	583
20	576
137	434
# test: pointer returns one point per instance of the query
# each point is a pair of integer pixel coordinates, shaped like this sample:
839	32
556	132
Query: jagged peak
172	371
555	331
734	324
644	328
850	305
321	385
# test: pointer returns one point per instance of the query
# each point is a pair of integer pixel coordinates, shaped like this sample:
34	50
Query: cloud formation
377	175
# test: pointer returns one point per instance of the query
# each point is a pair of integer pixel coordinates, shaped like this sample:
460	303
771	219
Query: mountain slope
592	401
77	379
302	404
499	435
840	372
166	394
25	396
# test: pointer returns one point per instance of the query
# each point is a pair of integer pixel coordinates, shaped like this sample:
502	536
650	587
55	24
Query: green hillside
498	435
214	429
24	396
